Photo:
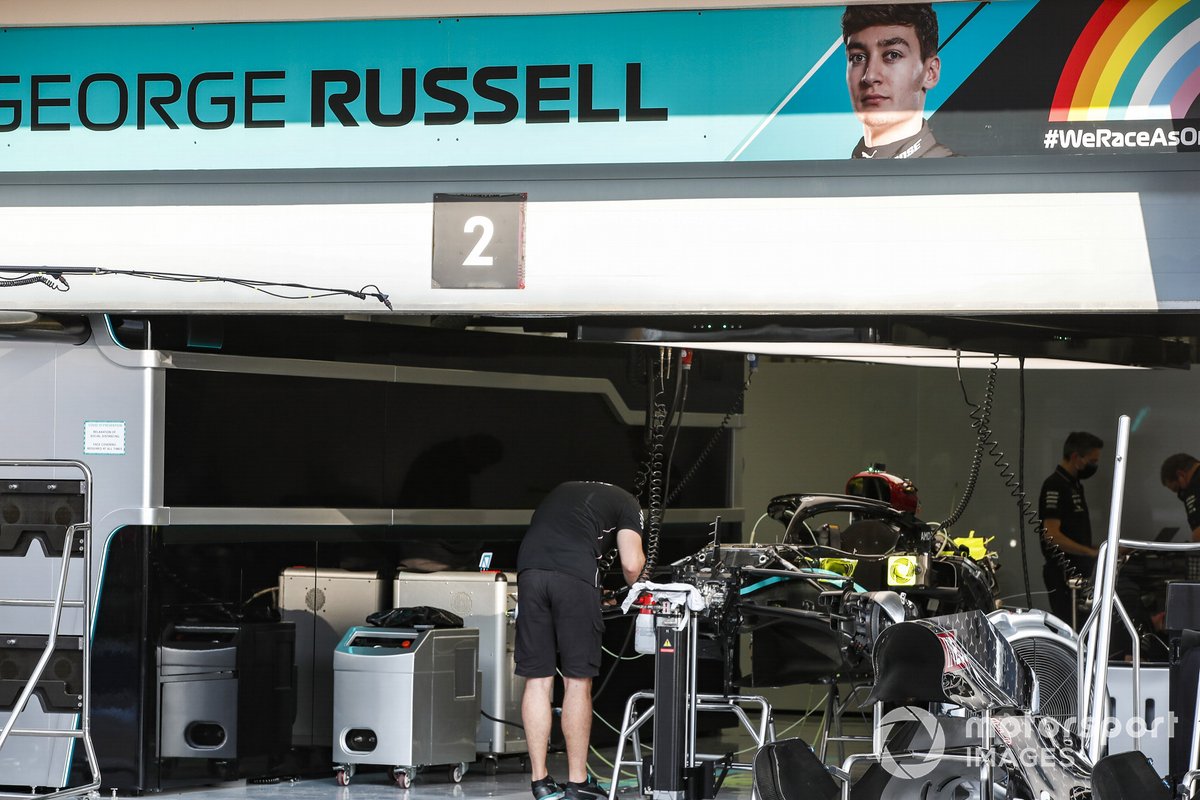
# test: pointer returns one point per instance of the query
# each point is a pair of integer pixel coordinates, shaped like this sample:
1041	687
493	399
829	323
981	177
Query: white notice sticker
104	438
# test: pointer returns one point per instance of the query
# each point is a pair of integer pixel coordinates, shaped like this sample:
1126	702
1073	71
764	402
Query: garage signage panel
479	241
1022	77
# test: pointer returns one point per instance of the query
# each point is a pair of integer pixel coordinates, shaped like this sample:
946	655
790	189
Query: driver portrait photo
891	63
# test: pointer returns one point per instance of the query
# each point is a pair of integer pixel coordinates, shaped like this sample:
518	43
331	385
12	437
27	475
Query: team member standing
558	617
1064	512
892	63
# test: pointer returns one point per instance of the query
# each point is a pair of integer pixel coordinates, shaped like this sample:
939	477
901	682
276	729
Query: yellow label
902	571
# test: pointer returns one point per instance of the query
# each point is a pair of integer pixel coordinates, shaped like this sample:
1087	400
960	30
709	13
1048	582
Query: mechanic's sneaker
546	789
586	790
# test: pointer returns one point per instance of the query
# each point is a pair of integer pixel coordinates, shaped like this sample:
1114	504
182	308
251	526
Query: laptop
1167	534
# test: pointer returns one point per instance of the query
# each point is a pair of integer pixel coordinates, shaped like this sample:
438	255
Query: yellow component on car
842	566
976	545
902	571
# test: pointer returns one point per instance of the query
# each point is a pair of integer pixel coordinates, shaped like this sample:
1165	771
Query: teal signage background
722	75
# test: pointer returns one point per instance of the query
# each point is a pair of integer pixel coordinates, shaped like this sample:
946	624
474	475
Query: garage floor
509	783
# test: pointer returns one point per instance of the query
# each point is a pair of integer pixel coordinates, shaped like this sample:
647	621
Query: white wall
810	425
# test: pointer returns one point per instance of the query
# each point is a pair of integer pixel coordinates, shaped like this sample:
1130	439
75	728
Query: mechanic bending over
559	618
1181	475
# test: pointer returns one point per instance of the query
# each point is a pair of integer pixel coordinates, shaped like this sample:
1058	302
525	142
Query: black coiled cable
650	472
59	286
657	484
981	416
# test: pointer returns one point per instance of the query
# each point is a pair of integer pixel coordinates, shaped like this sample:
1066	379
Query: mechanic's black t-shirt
1190	495
576	524
1062	499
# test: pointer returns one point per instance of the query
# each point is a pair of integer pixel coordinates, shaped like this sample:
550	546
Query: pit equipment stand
80	531
676	770
1094	637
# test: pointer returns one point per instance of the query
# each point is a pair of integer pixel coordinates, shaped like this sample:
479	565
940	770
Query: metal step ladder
76	536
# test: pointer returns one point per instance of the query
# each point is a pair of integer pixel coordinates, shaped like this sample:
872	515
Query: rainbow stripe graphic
1135	60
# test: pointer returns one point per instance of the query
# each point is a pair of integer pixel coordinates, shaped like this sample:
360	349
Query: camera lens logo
928	742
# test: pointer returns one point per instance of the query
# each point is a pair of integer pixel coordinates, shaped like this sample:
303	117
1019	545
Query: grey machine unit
405	698
227	694
486	601
323	603
1155	722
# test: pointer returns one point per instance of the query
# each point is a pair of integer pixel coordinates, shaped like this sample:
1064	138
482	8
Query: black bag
789	770
1127	776
415	616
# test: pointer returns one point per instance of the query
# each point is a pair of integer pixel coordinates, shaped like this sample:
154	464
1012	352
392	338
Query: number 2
476	257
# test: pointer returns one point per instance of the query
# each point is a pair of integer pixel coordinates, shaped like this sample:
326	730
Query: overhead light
17	317
875	353
32	326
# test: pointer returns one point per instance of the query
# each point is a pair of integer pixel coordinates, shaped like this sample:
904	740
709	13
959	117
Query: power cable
981	415
736	408
54	278
55	282
659	415
675	418
502	721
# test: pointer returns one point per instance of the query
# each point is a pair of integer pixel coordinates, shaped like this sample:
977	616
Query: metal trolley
405	698
75	541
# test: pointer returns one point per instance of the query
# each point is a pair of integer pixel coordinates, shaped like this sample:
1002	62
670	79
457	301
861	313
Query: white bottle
643	635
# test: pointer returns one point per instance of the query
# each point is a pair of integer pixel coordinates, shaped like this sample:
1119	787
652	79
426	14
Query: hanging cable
53	277
735	408
55	282
675	417
648	480
981	416
658	413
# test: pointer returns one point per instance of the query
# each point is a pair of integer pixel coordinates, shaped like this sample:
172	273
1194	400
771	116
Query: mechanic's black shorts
557	615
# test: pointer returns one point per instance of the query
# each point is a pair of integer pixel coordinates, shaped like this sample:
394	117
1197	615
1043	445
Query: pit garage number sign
479	241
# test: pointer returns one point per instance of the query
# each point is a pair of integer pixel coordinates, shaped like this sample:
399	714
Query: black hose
502	721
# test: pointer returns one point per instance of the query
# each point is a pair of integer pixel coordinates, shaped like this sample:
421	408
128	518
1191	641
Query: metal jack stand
831	726
1094	637
677	771
80	529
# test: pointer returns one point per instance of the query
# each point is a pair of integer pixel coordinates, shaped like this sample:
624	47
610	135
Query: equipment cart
407	699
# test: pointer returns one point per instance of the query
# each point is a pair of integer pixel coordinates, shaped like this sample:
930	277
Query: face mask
1087	471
